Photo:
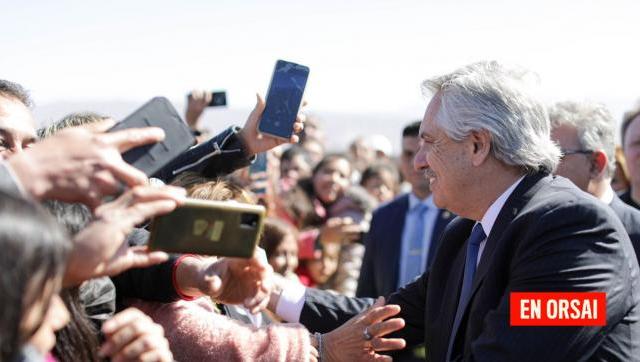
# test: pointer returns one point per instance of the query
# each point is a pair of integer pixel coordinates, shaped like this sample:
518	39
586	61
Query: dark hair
14	90
412	129
377	170
273	233
78	340
298	202
293	152
34	252
328	159
70	120
628	117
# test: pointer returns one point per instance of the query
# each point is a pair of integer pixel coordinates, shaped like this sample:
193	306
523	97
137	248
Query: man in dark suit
390	254
585	133
486	148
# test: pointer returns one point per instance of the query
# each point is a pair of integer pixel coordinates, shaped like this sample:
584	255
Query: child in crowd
317	271
280	242
381	180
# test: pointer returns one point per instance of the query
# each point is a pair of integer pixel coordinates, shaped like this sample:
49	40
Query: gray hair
489	96
70	120
594	123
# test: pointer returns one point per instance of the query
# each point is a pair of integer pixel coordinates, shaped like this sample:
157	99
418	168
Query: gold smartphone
221	228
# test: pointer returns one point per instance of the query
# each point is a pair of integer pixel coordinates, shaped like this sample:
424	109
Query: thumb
260	104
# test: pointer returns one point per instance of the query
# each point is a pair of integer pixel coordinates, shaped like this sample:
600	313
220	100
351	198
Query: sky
365	56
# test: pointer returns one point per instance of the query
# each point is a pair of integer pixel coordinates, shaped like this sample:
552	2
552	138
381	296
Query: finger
153	193
105	183
260	104
388	344
120	319
294	138
381	358
127	139
381	313
207	98
383	328
298	127
126	173
145	210
100	126
123	336
141	257
135	349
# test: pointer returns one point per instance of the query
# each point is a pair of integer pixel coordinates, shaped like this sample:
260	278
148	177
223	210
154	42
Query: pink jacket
196	332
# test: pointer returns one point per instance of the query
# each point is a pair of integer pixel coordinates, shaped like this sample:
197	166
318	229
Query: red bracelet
174	278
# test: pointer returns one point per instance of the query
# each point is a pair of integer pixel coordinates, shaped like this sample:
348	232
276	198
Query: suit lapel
520	196
443	219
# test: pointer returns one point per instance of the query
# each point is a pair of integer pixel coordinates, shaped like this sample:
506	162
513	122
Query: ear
599	162
480	146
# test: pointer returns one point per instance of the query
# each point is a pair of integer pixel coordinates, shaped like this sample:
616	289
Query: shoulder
400	202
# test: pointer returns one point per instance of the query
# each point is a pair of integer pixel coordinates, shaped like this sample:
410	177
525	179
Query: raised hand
256	142
101	248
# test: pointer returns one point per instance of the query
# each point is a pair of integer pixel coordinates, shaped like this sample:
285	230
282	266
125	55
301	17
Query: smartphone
218	99
222	228
158	112
283	99
258	175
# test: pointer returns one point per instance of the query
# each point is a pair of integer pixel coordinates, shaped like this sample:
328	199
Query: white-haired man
585	132
486	147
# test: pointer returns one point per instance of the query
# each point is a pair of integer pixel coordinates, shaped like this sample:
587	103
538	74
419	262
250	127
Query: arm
324	311
230	150
218	156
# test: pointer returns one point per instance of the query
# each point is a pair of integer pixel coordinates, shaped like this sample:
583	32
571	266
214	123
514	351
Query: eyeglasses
574	152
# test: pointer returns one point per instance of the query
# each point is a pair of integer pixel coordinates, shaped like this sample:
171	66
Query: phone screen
218	99
283	99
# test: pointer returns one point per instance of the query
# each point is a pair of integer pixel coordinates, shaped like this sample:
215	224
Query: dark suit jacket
630	218
380	266
549	236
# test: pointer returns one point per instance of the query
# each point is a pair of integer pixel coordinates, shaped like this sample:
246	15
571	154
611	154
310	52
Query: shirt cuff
291	302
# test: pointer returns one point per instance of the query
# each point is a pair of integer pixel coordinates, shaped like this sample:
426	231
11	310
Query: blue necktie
473	246
413	259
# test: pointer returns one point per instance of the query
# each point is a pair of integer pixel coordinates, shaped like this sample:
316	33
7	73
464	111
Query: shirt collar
414	201
608	195
492	212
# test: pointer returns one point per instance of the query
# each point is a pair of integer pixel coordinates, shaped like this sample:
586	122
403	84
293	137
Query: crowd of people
364	255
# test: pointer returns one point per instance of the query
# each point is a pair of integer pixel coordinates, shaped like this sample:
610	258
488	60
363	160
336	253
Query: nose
420	160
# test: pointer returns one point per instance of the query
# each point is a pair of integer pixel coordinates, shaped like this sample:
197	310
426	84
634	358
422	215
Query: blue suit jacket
380	266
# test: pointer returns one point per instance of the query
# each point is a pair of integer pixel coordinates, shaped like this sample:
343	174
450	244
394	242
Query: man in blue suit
388	258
